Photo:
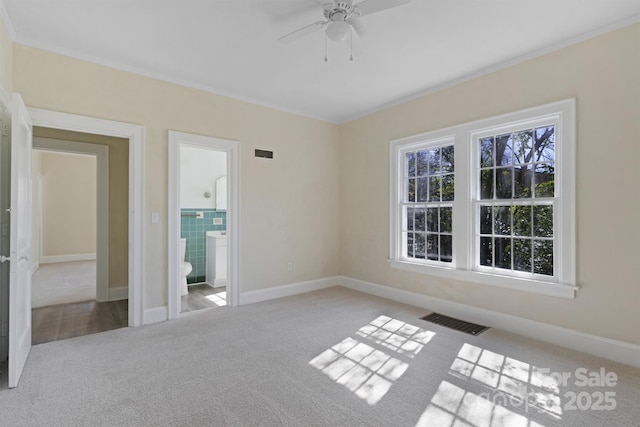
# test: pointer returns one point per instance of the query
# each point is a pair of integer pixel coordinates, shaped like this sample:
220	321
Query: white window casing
465	224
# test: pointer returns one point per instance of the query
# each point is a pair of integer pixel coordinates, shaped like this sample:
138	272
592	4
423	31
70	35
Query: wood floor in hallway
57	322
61	321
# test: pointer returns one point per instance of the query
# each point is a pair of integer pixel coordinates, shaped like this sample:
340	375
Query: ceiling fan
342	19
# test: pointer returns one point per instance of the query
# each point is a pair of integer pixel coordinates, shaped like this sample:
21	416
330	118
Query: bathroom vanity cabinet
216	258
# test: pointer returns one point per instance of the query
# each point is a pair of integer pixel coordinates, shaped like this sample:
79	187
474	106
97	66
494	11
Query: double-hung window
428	187
490	202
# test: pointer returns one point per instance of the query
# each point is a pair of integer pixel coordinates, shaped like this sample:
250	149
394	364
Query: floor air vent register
457	324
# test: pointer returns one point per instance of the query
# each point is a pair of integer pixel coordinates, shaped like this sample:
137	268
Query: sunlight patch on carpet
368	366
493	390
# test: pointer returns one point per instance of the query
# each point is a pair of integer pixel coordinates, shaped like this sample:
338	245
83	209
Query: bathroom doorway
202	223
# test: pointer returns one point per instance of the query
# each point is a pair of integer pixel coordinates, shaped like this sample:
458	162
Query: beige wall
322	203
6	59
68	204
603	74
288	207
118	197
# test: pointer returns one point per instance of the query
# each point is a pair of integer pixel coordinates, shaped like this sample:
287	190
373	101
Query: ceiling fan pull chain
325	48
351	45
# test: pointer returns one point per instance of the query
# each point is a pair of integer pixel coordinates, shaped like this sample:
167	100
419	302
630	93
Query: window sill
515	283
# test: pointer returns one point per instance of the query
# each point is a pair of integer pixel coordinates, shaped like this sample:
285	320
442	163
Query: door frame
101	154
232	149
136	136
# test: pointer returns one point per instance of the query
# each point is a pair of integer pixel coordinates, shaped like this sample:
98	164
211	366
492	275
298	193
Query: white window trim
463	266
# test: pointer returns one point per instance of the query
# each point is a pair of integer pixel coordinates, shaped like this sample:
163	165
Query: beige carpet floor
63	282
334	357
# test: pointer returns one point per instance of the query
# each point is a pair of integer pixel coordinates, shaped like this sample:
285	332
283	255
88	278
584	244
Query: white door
20	241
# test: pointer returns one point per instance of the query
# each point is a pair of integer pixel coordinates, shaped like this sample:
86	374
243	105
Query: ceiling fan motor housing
339	11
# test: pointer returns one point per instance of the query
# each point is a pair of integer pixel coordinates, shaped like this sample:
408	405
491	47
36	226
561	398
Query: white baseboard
50	259
618	351
118	293
287	290
155	315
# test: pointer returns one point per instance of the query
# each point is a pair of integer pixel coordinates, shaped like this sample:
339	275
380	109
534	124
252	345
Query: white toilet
185	267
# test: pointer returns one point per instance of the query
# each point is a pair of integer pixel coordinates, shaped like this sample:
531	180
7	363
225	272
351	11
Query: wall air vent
264	154
457	324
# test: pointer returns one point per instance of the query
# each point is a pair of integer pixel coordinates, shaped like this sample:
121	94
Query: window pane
543	257
445	220
503	252
522	181
522	221
410	245
504	182
446	248
486	220
434	161
502	220
423	163
486	152
486	251
545	177
420	220
447	159
409	219
411	190
434	188
410	158
543	221
486	184
545	144
448	189
418	246
522	254
423	189
432	247
432	220
504	150
522	146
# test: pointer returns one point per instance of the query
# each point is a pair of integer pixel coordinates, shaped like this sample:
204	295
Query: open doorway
80	234
134	135
203	229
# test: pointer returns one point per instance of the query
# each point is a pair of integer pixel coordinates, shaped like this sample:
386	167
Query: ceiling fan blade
368	7
301	32
356	23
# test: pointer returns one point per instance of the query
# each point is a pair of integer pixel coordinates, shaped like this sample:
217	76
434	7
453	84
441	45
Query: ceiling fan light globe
338	31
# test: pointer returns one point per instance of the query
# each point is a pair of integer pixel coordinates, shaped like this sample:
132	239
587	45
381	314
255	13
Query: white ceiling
230	46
